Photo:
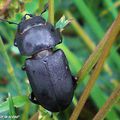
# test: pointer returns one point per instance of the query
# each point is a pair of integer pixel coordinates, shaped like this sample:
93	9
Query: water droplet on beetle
66	67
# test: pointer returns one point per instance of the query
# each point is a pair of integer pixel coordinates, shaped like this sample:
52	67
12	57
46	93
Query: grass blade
25	113
105	12
108	105
94	58
80	31
89	17
18	101
111	8
9	66
11	106
97	69
51	11
97	52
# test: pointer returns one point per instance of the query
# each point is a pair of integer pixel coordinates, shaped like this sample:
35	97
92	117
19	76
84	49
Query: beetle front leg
32	98
45	8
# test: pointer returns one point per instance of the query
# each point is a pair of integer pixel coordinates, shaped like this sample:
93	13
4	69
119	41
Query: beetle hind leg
23	68
33	99
75	79
45	8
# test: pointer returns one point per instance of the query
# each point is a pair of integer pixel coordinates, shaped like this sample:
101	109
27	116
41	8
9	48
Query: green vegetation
90	31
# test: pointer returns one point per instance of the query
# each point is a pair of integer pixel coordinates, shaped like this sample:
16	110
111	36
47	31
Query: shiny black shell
51	81
34	35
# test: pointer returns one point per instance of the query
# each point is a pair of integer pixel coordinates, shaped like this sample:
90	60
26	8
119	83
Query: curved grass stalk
115	96
91	19
51	11
110	39
111	8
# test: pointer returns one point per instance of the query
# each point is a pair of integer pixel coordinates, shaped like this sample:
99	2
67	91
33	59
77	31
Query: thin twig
108	105
51	11
97	52
95	55
110	39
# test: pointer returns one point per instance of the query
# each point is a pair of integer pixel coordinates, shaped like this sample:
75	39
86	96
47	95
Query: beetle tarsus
32	98
23	68
15	44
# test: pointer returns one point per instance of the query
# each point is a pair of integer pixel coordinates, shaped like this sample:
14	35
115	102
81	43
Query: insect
47	69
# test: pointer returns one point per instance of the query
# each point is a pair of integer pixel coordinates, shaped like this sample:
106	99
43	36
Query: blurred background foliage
90	20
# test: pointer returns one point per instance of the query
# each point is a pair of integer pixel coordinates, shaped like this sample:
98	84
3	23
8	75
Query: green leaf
18	101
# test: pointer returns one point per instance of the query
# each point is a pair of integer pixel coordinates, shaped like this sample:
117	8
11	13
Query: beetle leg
45	8
74	81
15	43
51	115
32	98
23	68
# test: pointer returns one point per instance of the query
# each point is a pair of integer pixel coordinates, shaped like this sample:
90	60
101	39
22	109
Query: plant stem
110	39
80	31
9	66
11	106
106	11
108	105
51	11
89	17
25	113
41	5
111	8
89	65
93	22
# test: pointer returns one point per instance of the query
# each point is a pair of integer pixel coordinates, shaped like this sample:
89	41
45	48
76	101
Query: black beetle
47	70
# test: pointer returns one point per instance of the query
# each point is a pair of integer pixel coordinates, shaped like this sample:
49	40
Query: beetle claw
23	68
74	81
51	115
32	98
15	44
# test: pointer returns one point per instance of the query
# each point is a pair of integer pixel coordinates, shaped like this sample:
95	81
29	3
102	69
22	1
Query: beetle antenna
10	22
45	8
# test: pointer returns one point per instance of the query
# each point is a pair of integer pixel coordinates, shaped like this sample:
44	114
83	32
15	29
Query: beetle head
34	35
